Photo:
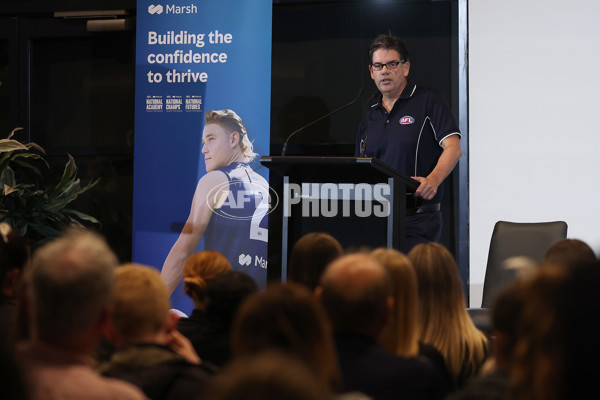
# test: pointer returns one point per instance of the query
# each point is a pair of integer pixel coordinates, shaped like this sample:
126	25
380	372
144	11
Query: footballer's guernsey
238	228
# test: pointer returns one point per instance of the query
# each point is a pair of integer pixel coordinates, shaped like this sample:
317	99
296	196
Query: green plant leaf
82	216
39	212
13	131
11	145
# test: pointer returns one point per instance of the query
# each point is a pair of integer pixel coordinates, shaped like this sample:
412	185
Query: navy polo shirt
409	137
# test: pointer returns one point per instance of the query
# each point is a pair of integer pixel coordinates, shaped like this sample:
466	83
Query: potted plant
37	210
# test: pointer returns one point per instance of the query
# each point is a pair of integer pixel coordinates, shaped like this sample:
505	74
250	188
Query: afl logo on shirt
407	120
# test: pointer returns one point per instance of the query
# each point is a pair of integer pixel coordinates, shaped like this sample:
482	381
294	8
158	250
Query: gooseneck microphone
285	144
363	143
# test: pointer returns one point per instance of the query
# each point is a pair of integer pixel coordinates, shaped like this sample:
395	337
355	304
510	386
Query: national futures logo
155	9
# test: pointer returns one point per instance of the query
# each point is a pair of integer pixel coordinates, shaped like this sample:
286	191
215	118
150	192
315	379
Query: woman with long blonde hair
400	335
443	318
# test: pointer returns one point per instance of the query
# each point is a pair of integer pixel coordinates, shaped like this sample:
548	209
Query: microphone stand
285	144
363	145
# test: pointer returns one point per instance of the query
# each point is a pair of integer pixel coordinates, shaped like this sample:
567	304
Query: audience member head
226	293
268	375
506	312
14	256
519	267
578	324
357	294
310	255
439	284
141	306
400	335
536	370
569	253
71	290
287	317
443	318
199	269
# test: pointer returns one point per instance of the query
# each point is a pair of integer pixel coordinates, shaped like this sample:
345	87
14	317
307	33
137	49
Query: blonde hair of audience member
141	306
569	253
310	255
536	370
70	286
267	375
287	317
444	321
201	268
400	335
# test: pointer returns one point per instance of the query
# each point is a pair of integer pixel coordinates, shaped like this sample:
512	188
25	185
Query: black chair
512	239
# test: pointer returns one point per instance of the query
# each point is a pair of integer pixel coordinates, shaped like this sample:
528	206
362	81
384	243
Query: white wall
534	119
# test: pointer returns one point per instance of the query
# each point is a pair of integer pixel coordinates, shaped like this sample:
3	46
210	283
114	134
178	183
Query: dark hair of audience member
287	317
267	375
444	320
578	324
537	368
199	269
12	377
569	253
226	293
310	255
15	255
400	335
505	314
210	335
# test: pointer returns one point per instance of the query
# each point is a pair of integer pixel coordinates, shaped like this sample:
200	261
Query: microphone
363	145
285	144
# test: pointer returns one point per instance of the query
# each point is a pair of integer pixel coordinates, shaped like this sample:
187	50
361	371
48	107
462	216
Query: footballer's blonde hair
232	122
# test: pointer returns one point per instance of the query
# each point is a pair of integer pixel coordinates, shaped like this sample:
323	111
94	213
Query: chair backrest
511	239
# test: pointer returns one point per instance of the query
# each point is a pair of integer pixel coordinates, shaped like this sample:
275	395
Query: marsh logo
245	259
172	9
155	9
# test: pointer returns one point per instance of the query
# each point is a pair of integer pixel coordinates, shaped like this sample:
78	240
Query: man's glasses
392	65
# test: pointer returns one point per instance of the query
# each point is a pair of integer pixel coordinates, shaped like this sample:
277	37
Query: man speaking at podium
412	129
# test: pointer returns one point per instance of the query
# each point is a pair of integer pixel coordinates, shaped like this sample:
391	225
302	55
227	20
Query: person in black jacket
356	293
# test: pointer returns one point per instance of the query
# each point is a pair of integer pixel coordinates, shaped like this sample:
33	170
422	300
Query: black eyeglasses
392	65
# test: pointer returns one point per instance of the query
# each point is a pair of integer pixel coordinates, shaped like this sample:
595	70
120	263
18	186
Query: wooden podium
360	201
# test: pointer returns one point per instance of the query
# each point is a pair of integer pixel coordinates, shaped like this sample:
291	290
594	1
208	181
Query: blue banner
192	57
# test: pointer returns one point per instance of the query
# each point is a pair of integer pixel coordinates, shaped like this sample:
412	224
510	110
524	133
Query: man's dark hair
389	42
225	294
